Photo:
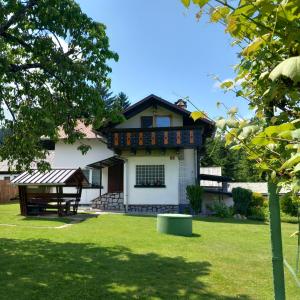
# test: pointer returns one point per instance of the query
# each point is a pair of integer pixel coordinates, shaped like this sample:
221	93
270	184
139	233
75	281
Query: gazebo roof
54	177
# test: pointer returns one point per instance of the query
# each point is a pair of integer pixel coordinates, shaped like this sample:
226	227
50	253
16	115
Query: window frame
90	179
163	116
147	174
147	117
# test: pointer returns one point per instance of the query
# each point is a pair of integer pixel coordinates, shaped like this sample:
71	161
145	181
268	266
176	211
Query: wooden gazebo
43	192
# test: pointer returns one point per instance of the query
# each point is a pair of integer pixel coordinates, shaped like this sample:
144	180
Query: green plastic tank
177	224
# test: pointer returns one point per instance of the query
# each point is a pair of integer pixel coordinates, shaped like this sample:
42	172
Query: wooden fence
7	191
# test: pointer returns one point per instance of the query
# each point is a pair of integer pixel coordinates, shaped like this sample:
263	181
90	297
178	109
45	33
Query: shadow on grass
66	219
40	269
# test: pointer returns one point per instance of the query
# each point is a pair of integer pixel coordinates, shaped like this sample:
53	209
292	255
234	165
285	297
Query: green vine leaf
186	3
219	13
289	68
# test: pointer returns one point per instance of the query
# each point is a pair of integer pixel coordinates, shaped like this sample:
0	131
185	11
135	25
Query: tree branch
18	15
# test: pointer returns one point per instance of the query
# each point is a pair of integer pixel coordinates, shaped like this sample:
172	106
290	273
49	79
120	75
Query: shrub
222	210
258	200
194	194
258	213
289	204
241	198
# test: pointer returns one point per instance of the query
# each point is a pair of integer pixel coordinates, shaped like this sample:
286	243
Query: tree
234	163
53	59
122	101
268	77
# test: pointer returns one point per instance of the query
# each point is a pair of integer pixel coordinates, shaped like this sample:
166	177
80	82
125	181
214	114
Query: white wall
67	156
135	122
167	195
187	172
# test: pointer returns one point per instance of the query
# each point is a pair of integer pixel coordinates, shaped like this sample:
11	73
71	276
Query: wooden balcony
155	138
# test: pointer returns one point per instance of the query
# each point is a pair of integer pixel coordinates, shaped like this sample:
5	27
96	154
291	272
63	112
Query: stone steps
109	202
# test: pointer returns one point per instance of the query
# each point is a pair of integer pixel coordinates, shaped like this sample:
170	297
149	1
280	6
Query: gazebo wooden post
23	199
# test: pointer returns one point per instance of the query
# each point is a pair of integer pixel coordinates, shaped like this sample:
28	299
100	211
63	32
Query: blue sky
164	50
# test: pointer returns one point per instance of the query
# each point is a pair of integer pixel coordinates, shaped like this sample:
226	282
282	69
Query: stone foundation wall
152	209
110	202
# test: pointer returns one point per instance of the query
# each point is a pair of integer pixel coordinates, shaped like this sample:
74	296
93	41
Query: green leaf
296	134
260	140
227	84
295	159
221	123
201	3
196	115
253	47
275	130
248	130
296	168
236	147
289	68
233	110
186	3
219	13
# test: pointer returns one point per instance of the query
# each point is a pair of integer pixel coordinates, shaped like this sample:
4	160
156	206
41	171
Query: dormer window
156	121
163	121
146	122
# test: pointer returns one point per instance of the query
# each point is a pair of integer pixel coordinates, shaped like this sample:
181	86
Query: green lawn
122	257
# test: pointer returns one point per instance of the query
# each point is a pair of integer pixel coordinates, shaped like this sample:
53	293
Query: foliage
285	218
122	101
289	204
267	76
241	198
259	213
258	200
194	194
234	163
53	59
221	210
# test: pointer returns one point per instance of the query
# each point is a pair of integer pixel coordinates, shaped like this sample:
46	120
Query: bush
258	200
288	219
289	204
241	198
258	213
194	194
221	210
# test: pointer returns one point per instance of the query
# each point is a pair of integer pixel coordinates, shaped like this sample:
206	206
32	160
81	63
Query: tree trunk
276	241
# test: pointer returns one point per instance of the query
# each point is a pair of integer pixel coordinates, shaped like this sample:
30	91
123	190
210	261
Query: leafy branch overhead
268	78
53	63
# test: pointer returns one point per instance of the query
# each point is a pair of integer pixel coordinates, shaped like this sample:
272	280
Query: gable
135	120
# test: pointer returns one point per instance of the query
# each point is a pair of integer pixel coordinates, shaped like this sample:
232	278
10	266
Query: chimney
181	103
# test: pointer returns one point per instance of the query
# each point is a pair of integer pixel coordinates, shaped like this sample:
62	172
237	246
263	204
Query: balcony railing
151	138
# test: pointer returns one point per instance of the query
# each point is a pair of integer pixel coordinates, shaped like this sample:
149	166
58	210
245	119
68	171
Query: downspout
100	184
126	184
197	173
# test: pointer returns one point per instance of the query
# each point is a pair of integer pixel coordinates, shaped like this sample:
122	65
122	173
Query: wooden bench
63	204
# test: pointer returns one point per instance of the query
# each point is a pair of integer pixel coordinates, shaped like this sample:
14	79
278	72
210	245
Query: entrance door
115	179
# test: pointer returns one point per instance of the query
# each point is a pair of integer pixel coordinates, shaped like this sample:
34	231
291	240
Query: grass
122	257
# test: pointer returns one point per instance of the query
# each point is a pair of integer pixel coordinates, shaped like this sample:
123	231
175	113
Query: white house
155	155
142	164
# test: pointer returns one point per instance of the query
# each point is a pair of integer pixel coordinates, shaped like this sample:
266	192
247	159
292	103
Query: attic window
147	122
163	121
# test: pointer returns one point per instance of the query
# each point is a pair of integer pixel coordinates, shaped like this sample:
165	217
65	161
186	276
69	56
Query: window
147	122
150	176
163	121
93	176
96	177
